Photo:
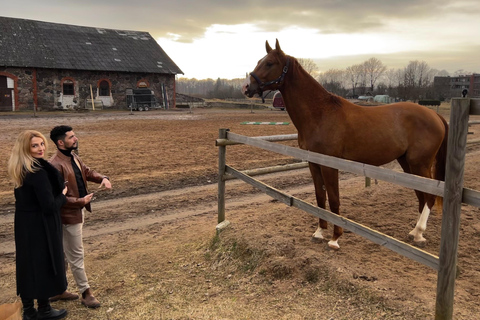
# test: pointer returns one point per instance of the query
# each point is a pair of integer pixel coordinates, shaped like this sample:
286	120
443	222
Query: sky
225	39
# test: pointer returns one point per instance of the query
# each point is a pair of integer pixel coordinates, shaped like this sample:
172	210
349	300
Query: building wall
452	87
475	85
43	88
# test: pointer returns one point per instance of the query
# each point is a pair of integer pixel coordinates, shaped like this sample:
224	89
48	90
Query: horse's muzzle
250	89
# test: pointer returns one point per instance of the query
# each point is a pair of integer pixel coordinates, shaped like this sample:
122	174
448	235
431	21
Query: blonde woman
39	194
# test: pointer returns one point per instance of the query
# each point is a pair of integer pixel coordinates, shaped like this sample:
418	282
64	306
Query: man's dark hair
59	133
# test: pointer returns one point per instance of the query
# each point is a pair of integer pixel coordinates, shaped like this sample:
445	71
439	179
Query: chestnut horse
413	135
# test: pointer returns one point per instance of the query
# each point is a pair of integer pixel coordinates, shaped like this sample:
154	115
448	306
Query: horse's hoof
410	237
333	245
318	235
316	240
420	243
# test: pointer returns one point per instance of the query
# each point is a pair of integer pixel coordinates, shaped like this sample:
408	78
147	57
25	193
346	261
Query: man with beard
76	174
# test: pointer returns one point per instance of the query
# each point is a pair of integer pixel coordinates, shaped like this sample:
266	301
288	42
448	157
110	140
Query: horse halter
279	80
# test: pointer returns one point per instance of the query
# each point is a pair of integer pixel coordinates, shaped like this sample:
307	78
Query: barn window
68	89
104	88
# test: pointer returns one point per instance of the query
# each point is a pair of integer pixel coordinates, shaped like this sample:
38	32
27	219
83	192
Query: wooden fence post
222	150
452	203
368	182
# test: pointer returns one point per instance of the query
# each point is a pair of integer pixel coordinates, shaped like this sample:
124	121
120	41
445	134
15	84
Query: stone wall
45	87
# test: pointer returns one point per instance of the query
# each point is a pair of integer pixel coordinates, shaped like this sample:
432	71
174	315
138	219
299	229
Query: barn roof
37	44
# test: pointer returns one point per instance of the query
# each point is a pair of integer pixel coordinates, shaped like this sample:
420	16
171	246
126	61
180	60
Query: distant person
76	173
39	194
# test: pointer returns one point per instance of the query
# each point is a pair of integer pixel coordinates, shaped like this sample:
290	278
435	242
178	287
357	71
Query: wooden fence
452	191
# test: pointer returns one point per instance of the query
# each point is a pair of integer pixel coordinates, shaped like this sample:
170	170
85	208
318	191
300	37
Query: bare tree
374	68
462	72
354	75
393	79
441	73
333	80
309	65
418	80
423	74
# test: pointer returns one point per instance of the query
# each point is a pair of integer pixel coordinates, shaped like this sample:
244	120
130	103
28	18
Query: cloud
437	31
449	60
189	19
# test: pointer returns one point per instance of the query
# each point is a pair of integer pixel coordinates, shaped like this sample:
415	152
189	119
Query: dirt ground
151	247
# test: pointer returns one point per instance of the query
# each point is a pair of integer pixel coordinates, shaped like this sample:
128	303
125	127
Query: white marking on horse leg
318	234
421	225
333	244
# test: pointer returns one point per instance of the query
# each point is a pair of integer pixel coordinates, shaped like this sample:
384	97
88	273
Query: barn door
6	95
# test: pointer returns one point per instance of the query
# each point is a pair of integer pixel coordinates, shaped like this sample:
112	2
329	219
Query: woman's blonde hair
21	161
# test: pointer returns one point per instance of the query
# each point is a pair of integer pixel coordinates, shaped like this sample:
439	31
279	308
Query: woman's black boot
46	312
29	311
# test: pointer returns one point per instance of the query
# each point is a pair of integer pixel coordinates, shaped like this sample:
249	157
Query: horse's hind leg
321	196
425	204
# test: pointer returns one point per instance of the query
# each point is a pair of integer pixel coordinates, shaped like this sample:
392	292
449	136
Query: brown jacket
71	212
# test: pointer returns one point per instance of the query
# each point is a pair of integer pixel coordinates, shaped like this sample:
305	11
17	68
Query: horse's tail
441	161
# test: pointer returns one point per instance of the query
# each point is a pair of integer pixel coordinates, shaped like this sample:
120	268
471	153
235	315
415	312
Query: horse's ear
277	46
267	46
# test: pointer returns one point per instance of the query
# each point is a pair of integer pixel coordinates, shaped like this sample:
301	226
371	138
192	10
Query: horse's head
269	72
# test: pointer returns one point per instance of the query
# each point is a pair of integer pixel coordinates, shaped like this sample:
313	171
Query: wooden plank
260	171
284	137
274	193
280	137
222	226
366	232
404	179
471	197
474	107
452	205
91	94
473	141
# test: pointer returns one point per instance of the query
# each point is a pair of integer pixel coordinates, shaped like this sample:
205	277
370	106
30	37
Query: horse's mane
332	99
336	100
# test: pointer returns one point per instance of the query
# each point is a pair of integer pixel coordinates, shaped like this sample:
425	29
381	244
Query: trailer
141	99
278	101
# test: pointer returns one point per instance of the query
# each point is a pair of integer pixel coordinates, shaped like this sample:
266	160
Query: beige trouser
73	248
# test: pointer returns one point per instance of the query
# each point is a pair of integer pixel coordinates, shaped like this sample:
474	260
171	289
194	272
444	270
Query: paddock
452	191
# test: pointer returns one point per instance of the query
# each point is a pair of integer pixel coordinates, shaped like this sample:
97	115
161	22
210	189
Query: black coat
38	234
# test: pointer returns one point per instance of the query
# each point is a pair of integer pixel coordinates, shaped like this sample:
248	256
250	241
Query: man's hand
88	198
105	183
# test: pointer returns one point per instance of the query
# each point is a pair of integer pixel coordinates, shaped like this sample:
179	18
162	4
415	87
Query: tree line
211	89
371	77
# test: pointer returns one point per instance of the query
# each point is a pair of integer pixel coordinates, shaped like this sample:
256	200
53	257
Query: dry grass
201	275
263	266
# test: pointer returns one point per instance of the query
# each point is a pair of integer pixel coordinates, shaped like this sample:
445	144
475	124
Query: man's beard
73	147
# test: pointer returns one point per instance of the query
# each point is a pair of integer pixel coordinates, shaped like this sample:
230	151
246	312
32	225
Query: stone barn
58	66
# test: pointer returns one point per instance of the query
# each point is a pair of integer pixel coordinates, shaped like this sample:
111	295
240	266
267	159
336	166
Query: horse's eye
269	64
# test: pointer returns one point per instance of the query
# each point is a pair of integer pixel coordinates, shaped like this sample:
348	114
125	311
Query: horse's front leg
330	178
321	197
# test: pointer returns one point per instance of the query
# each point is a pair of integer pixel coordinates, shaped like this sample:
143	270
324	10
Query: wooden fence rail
452	191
